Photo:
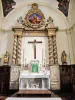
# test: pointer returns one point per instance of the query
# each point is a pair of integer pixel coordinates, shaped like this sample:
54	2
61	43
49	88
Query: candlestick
25	62
42	57
46	57
23	58
44	62
40	67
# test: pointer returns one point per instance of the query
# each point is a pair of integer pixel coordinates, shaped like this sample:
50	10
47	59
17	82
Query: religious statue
49	23
6	57
35	42
50	20
63	58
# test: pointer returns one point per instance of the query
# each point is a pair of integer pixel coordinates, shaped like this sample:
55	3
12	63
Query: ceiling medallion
35	17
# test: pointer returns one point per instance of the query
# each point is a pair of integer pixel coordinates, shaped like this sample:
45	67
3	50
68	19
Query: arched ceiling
9	5
21	7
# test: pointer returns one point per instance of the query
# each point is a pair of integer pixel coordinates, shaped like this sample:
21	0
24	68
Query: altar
33	81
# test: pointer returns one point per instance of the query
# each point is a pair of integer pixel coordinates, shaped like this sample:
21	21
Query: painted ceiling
9	5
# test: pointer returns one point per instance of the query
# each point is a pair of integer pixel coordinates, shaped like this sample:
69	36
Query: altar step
33	93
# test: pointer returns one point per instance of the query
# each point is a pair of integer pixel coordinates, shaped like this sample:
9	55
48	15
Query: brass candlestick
25	62
44	62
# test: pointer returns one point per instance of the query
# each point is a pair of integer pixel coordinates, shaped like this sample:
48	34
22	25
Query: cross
34	42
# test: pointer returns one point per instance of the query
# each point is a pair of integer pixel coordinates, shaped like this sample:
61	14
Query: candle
44	62
23	57
25	62
45	57
42	57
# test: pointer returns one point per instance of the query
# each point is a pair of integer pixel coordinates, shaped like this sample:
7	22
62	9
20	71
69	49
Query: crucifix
34	42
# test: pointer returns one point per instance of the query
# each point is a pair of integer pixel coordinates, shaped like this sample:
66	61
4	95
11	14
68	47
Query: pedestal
55	77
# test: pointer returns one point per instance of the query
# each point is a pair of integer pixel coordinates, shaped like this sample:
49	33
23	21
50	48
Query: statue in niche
6	57
63	58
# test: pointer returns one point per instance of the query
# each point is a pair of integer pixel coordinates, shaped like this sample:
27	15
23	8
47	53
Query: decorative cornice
18	28
53	29
21	27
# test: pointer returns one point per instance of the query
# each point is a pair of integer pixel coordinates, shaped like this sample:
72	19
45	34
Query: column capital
52	31
18	30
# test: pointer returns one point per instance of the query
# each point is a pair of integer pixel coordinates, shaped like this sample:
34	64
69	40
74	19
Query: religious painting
35	18
8	6
63	6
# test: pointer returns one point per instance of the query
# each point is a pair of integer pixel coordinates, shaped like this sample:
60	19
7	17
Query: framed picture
35	18
35	66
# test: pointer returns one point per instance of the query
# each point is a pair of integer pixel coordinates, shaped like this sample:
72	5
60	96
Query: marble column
19	42
53	58
55	50
54	67
14	55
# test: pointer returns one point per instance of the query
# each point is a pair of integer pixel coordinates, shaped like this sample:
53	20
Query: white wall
62	44
63	39
10	41
56	15
1	14
28	49
6	43
71	19
3	44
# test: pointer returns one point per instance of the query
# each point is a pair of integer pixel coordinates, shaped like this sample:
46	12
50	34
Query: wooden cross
34	42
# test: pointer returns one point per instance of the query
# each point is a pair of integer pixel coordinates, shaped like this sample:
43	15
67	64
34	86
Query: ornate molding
35	33
18	30
35	17
52	31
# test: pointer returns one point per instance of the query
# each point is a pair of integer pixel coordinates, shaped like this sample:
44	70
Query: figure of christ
35	42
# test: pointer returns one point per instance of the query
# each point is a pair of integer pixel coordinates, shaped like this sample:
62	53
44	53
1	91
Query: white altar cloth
34	75
15	98
29	76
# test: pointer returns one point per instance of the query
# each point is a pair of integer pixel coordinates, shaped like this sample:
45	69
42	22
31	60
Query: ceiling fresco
63	6
9	5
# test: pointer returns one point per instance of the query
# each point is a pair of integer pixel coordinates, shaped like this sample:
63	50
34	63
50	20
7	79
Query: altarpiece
35	24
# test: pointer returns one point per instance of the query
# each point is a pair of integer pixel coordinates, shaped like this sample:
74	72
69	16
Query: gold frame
33	10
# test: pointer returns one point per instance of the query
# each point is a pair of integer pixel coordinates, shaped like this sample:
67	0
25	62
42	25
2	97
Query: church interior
37	49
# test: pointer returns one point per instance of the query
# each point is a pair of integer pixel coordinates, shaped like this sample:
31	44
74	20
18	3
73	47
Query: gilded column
55	50
14	55
19	50
17	45
50	44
